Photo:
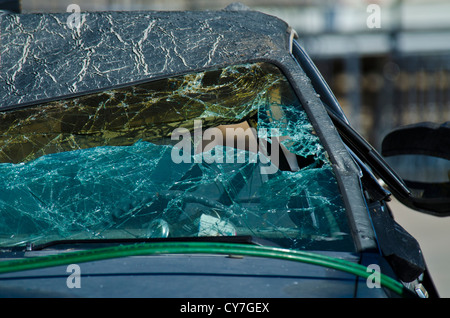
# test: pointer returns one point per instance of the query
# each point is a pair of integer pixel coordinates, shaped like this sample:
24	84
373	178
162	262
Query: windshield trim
347	172
61	244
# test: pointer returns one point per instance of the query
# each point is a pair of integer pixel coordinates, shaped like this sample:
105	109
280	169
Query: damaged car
188	155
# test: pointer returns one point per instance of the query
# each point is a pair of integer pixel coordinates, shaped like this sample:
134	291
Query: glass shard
220	152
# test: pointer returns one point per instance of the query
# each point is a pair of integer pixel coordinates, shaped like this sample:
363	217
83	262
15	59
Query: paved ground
433	235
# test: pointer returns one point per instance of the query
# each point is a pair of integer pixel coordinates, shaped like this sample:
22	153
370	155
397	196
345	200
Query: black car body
65	93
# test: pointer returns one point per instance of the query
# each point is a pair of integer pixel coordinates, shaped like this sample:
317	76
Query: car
192	155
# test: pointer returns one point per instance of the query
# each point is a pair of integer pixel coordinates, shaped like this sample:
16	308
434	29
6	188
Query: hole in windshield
222	152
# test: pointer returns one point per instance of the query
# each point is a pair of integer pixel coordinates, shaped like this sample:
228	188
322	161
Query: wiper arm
351	138
366	152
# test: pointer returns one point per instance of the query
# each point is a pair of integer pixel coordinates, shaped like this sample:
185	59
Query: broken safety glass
221	152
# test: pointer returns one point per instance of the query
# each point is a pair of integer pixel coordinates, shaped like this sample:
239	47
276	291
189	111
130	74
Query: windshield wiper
82	244
366	152
351	137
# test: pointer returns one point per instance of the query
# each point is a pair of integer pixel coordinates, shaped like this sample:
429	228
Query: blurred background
388	64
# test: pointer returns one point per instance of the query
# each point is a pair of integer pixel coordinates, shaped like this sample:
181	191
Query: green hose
196	248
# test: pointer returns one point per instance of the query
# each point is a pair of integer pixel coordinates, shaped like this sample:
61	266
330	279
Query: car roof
43	58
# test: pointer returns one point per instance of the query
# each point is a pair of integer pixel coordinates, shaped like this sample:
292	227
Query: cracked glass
223	152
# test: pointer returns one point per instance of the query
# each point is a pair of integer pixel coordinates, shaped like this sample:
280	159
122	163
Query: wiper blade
62	244
365	151
351	138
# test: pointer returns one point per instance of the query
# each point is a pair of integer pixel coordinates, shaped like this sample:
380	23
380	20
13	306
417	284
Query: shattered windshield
222	152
